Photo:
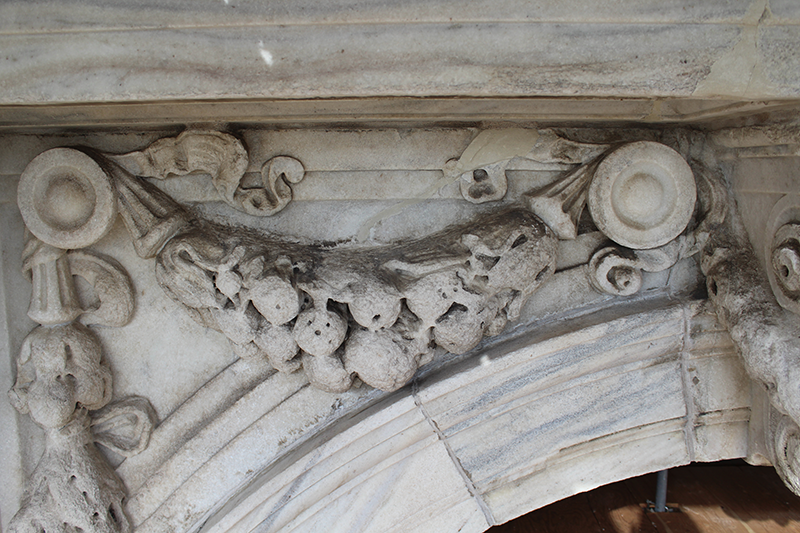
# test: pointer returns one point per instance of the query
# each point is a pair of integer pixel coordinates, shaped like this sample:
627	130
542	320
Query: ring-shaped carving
612	273
642	195
782	251
66	199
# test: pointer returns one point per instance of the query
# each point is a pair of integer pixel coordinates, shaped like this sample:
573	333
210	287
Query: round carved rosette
642	195
66	199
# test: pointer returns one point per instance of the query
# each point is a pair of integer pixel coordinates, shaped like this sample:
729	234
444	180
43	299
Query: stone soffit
438	290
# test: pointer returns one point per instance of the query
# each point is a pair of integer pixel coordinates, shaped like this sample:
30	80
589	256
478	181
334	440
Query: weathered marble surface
75	52
502	429
514	423
398	111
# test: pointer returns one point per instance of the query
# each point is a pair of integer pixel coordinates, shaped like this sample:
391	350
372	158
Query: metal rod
661	492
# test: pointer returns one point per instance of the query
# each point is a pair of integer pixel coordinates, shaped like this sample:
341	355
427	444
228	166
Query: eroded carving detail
60	377
766	335
61	374
618	271
343	311
561	203
486	184
782	250
786	449
66	199
225	159
371	312
482	169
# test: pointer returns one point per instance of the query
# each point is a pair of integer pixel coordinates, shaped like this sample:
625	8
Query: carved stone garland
343	312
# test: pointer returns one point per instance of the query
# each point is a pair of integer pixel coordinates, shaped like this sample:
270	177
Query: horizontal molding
485	59
390	111
38	16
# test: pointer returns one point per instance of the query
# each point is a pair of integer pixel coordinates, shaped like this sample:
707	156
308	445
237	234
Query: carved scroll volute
642	196
273	193
618	271
786	452
782	251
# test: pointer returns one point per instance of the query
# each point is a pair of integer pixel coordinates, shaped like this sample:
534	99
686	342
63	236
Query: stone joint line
473	490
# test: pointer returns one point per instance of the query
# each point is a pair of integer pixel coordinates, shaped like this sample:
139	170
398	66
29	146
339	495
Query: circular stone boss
642	195
65	199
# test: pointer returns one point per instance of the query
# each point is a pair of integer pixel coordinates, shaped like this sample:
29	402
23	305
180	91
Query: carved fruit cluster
376	312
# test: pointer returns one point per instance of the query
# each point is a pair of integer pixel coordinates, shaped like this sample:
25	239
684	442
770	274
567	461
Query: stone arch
542	415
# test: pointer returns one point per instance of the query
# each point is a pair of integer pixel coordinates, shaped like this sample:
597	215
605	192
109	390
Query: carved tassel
152	217
53	297
561	203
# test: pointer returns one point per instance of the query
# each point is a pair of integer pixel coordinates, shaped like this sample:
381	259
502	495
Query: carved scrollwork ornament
225	159
273	192
786	449
615	271
782	252
618	271
346	314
